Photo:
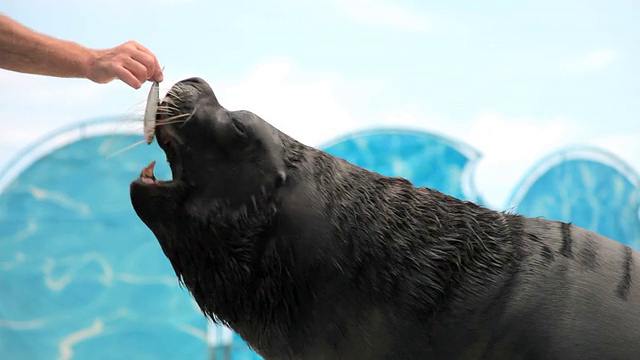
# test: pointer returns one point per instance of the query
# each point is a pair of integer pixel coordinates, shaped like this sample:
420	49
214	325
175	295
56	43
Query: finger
127	77
141	48
147	61
159	76
137	69
157	73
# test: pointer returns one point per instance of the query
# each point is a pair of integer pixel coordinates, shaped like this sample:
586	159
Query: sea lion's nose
199	84
195	80
202	86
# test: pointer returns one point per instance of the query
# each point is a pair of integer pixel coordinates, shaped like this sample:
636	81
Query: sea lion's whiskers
123	124
179	87
190	115
171	96
125	149
175	93
166	111
168	106
163	121
125	120
178	90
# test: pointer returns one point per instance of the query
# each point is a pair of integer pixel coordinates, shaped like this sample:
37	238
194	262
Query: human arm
24	50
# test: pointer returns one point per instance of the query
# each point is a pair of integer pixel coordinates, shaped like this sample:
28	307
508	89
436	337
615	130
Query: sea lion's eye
239	127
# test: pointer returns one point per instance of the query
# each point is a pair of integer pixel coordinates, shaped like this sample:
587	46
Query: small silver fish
153	101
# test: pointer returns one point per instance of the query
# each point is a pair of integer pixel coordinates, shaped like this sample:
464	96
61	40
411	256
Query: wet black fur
330	261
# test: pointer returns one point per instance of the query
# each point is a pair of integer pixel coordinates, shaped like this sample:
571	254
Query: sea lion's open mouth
169	141
147	175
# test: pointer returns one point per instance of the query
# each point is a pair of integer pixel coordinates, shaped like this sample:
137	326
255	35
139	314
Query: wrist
88	63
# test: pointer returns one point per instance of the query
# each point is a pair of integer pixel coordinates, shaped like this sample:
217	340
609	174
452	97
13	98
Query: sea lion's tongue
147	175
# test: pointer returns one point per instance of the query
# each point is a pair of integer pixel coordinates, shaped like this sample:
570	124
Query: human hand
130	62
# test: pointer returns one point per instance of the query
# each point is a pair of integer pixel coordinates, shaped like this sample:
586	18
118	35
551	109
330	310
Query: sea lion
307	256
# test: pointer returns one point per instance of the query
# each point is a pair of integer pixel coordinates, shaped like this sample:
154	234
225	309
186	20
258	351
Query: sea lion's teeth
147	172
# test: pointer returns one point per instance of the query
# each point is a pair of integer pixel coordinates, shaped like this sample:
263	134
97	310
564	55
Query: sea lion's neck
237	271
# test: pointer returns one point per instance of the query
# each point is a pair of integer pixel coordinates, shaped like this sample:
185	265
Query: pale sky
516	81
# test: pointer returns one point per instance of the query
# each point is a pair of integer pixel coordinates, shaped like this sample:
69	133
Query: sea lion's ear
281	178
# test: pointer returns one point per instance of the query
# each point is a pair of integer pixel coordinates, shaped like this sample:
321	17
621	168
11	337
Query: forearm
24	50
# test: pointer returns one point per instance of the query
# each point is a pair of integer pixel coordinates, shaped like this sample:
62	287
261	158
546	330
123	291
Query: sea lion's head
224	163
